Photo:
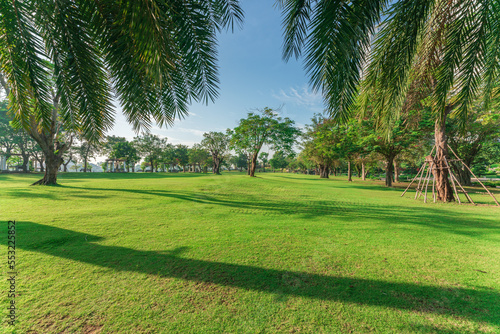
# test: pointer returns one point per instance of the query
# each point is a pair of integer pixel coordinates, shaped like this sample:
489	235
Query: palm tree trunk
389	170
440	168
396	172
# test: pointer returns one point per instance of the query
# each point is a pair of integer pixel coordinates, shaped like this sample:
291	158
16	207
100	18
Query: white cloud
192	131
302	97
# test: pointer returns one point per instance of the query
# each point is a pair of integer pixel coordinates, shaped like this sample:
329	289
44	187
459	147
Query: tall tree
7	132
197	156
60	60
217	143
150	146
88	149
125	151
264	157
257	130
449	47
280	160
239	161
182	156
468	142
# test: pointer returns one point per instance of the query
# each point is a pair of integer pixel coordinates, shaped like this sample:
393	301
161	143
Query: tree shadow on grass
476	304
342	210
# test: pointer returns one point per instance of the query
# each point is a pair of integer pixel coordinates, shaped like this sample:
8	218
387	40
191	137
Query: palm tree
449	49
63	62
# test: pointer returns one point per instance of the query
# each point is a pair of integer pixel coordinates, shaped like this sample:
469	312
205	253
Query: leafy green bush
492	184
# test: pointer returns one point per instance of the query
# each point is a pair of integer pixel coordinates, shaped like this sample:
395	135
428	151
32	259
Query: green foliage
181	155
449	48
267	129
125	151
217	143
280	160
158	57
151	147
241	160
198	155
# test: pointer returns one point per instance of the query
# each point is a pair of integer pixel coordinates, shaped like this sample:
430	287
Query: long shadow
465	224
126	176
477	304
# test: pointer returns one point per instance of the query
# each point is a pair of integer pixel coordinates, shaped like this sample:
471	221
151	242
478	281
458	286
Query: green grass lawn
183	253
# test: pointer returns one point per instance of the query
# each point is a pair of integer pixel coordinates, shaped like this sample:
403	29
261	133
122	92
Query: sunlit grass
160	253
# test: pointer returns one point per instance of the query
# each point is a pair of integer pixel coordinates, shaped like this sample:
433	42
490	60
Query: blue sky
252	75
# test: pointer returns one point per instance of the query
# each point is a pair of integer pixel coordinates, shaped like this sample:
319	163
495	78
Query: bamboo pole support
429	173
464	191
425	179
404	192
492	196
420	180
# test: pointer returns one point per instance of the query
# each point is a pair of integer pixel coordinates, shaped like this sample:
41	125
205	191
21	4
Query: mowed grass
183	253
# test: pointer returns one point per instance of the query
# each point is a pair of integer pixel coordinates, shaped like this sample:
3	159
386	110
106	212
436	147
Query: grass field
160	253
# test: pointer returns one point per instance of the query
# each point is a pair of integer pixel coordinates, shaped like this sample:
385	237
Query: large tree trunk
389	170
253	165
26	160
324	170
349	172
440	168
396	172
53	157
363	172
216	166
358	170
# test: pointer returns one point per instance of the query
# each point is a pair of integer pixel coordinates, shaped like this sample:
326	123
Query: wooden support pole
420	180
404	192
492	196
429	173
424	181
465	192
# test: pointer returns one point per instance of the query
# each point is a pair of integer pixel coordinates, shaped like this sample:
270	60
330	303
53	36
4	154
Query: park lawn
185	253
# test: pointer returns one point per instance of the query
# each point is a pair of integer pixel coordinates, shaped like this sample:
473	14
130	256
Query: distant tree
280	160
150	147
68	157
87	150
7	132
320	144
109	144
217	143
24	145
182	156
197	156
264	157
125	151
37	154
481	129
239	161
168	156
257	130
65	63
